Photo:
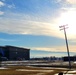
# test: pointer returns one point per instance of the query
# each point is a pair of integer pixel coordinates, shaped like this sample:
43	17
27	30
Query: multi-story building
14	53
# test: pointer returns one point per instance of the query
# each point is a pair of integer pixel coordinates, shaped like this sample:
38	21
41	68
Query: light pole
63	27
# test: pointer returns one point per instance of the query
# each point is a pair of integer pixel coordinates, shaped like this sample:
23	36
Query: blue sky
35	24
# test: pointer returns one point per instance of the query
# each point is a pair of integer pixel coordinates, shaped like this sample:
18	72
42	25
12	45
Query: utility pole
63	27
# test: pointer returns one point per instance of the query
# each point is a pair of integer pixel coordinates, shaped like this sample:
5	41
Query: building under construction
14	53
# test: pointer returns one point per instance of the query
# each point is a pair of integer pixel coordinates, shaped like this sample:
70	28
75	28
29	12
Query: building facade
14	53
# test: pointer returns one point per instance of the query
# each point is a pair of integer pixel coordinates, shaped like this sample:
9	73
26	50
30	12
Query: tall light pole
63	27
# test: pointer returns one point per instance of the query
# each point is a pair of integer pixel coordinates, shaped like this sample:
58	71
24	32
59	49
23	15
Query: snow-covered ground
32	63
66	74
69	73
34	70
3	68
28	62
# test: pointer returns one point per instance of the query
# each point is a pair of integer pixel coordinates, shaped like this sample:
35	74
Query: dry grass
12	71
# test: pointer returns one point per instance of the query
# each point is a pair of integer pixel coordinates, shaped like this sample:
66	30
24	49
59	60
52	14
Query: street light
63	27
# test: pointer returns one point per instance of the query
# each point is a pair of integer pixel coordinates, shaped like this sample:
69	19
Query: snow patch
34	70
3	68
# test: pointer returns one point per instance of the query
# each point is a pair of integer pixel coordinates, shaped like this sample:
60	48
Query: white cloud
58	1
72	48
34	25
43	48
66	1
26	27
71	1
1	13
73	41
11	6
1	4
29	25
